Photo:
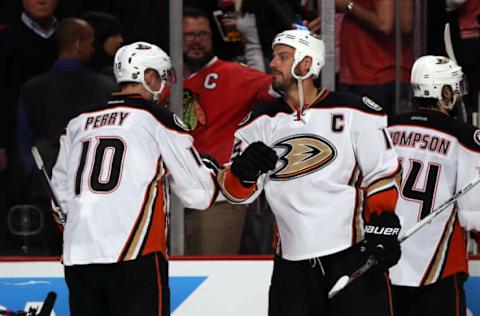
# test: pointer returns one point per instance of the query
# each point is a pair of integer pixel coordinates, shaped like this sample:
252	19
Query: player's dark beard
283	86
195	64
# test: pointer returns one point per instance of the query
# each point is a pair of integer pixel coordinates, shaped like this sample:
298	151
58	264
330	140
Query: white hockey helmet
431	73
131	62
305	43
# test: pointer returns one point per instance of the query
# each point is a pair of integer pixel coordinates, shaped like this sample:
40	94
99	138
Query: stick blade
341	283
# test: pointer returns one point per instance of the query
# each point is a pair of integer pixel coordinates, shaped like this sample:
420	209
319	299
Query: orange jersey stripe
233	188
156	239
456	257
380	202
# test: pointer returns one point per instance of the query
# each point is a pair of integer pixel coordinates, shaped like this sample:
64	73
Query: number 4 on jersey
426	195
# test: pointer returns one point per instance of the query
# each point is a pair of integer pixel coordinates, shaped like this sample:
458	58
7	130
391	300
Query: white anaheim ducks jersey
327	161
111	178
439	156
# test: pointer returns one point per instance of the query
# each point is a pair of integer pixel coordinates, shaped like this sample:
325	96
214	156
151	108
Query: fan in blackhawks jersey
439	156
111	175
327	166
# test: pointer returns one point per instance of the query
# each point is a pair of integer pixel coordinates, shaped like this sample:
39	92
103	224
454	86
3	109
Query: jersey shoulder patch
476	137
371	104
349	100
168	118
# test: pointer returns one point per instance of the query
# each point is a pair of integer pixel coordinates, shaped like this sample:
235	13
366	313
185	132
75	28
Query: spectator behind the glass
271	18
49	100
367	48
218	95
27	49
246	24
46	104
108	39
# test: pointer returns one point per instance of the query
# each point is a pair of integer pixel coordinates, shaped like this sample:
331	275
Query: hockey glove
257	158
381	239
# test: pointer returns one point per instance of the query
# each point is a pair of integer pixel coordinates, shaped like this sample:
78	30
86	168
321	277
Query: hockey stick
447	40
40	165
46	310
47	306
345	280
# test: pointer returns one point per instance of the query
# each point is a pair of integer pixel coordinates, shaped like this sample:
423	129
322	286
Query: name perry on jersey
108	119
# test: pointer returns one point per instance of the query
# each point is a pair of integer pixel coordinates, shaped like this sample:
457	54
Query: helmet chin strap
155	94
300	98
449	104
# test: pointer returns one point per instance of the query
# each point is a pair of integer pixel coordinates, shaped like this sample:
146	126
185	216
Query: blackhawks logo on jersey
193	112
302	154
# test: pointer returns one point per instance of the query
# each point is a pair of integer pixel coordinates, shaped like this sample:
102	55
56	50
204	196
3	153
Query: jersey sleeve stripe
355	181
383	184
215	192
232	188
382	194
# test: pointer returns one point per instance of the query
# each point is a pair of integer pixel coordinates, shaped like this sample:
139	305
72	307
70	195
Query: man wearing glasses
217	95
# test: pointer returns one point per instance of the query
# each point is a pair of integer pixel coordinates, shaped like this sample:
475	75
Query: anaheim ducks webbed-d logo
303	154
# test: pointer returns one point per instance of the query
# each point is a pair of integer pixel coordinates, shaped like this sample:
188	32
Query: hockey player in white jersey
336	171
111	175
439	155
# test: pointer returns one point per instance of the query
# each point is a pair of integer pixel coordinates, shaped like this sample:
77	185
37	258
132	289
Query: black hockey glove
381	239
257	158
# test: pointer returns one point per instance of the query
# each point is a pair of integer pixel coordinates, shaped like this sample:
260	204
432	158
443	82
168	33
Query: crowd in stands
56	59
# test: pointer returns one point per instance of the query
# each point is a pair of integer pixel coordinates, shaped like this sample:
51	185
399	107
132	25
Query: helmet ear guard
131	62
305	44
431	73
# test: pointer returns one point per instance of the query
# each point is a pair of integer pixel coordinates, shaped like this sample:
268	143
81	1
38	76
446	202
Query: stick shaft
447	39
41	166
440	209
